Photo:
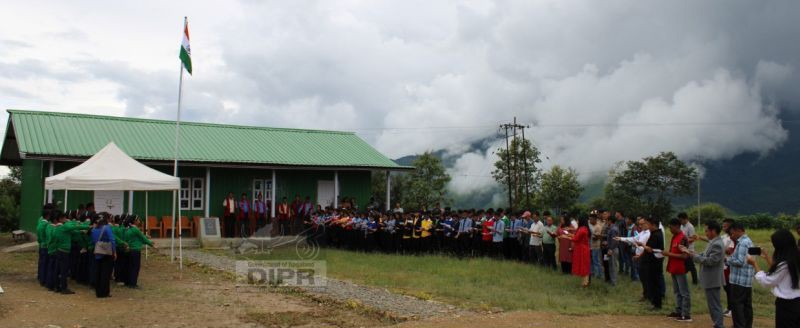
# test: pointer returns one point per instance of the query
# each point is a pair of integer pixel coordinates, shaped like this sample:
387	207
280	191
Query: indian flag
186	51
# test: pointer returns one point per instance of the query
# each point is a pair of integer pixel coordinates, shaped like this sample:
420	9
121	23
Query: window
198	192
184	194
192	194
263	187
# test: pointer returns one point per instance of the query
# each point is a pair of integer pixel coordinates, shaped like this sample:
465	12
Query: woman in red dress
565	245
580	251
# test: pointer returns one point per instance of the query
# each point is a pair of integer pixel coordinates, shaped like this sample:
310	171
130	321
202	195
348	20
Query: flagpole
175	173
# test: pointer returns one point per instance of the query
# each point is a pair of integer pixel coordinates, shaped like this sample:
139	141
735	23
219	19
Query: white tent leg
66	192
172	238
180	240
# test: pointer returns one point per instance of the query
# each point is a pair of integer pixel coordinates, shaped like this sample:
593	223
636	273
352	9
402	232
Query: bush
707	212
767	221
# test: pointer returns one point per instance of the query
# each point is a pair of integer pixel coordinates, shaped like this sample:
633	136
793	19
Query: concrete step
164	243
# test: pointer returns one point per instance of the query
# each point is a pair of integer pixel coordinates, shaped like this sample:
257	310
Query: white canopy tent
113	169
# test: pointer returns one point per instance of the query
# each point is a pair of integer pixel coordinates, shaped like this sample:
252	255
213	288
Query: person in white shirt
535	243
691	235
783	277
638	241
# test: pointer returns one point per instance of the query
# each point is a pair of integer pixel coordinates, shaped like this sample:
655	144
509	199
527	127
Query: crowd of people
89	248
601	246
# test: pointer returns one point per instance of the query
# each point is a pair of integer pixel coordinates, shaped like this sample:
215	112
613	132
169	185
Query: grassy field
487	283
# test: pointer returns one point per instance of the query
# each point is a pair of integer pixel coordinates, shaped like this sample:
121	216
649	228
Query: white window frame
266	190
190	194
198	193
185	194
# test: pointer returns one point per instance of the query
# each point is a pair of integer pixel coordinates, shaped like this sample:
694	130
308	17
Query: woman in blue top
104	263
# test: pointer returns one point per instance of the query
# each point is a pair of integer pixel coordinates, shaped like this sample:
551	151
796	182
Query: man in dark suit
711	276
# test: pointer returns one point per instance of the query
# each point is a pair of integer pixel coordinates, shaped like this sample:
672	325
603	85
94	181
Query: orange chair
166	225
153	225
186	226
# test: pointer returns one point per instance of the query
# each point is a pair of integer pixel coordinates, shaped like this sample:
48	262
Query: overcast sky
599	81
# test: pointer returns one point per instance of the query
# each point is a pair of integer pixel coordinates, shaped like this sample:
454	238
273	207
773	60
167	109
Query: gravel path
376	298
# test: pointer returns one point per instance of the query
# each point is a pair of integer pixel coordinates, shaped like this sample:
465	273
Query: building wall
223	180
31	194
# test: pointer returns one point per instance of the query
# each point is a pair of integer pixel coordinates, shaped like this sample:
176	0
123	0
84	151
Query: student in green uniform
41	227
121	262
51	275
135	239
60	244
83	240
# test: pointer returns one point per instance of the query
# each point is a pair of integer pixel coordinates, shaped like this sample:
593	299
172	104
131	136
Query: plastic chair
186	226
166	225
153	225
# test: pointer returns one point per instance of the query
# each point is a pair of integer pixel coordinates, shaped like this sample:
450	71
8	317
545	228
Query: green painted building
214	159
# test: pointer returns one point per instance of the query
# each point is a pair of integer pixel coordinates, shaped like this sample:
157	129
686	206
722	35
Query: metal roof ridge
160	121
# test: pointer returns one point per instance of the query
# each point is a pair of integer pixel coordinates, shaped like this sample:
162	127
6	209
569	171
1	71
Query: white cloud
601	81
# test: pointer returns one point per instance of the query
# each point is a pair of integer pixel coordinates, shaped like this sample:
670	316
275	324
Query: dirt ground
200	297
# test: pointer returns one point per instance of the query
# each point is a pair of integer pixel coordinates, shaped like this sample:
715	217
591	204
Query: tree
516	170
559	188
399	183
427	184
10	199
647	187
707	212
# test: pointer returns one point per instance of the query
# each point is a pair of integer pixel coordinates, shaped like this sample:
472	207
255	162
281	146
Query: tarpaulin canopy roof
112	169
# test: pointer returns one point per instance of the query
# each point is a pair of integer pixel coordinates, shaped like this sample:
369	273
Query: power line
444	129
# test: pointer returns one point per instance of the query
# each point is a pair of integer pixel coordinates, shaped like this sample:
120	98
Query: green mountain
748	183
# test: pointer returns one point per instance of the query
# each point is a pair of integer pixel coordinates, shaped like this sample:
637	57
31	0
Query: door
325	193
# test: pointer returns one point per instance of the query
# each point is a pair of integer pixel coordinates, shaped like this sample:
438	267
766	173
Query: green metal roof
52	134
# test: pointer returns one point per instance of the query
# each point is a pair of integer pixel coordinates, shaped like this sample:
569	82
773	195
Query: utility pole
525	167
699	210
511	187
508	170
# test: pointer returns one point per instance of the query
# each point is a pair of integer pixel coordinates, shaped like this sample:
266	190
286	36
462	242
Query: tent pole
172	237
180	240
66	192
